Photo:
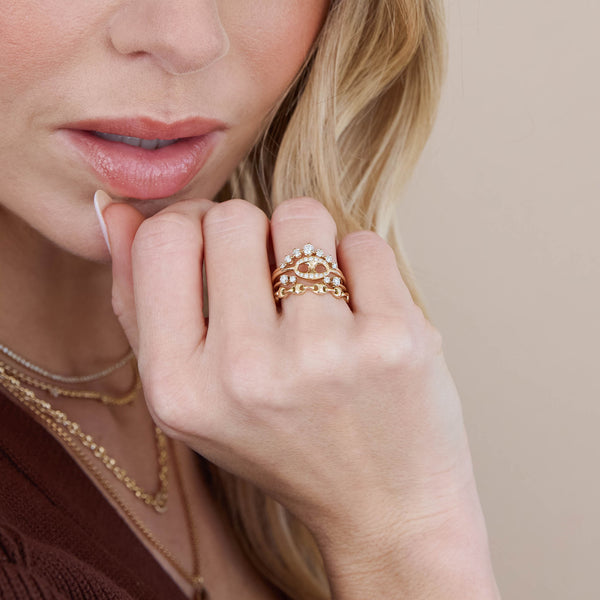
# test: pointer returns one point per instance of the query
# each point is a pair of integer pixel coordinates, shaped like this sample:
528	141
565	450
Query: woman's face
83	83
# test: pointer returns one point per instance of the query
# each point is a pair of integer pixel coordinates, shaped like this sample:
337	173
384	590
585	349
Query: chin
90	248
80	240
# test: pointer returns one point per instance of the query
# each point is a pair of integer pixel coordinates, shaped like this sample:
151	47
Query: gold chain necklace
65	429
87	395
44	409
195	577
63	378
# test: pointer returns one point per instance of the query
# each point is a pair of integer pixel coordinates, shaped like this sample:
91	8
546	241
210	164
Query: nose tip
177	57
182	37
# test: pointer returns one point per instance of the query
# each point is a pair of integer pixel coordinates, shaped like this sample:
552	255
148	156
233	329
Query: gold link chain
84	447
158	501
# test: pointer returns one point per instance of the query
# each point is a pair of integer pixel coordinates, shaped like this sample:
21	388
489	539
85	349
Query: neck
55	307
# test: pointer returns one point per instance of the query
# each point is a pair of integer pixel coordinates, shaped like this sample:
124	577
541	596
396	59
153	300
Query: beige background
501	224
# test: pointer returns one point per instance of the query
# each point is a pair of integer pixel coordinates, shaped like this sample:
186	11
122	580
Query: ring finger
296	225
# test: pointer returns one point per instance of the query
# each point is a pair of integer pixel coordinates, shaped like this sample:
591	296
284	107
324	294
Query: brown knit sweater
59	537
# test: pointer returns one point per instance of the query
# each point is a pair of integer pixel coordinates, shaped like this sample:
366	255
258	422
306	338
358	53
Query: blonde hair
349	133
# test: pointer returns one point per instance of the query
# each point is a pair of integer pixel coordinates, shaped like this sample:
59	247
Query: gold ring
309	270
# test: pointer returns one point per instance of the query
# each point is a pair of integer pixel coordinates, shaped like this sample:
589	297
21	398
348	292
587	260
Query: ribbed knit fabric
60	539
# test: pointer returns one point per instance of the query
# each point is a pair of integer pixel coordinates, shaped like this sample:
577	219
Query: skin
64	61
374	458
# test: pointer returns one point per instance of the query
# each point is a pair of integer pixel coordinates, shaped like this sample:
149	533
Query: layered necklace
96	458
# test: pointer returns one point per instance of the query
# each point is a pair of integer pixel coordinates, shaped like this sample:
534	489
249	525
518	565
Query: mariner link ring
308	270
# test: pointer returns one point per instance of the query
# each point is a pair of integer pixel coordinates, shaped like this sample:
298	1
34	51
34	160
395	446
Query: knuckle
391	346
165	232
303	209
407	350
174	401
244	374
168	403
167	415
429	336
395	350
233	215
318	358
435	340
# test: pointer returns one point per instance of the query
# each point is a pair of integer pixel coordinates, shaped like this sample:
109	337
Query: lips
142	158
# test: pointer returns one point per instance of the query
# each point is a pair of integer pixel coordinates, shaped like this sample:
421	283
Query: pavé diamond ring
308	270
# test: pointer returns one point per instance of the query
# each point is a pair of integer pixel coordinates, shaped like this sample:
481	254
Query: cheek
38	40
274	37
24	57
283	37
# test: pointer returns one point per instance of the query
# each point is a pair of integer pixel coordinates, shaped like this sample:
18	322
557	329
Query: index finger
167	279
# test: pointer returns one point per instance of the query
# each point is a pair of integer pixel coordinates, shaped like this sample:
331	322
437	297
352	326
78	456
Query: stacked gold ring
309	270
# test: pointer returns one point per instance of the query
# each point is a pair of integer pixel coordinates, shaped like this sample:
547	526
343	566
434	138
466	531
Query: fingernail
101	201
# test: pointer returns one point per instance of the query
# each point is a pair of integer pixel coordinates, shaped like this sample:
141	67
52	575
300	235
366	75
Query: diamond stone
320	253
288	259
327	279
337	281
297	253
284	279
282	266
308	249
329	259
292	279
334	266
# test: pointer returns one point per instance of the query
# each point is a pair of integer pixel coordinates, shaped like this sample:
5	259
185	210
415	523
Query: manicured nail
101	201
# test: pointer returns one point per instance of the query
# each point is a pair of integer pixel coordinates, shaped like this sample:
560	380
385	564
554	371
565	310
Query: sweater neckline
45	462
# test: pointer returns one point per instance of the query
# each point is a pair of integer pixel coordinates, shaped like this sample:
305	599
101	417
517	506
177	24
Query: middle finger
237	267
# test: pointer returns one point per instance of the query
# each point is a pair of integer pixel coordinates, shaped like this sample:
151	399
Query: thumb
120	221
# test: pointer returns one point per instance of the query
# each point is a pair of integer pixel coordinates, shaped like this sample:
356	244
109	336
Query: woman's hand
346	414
